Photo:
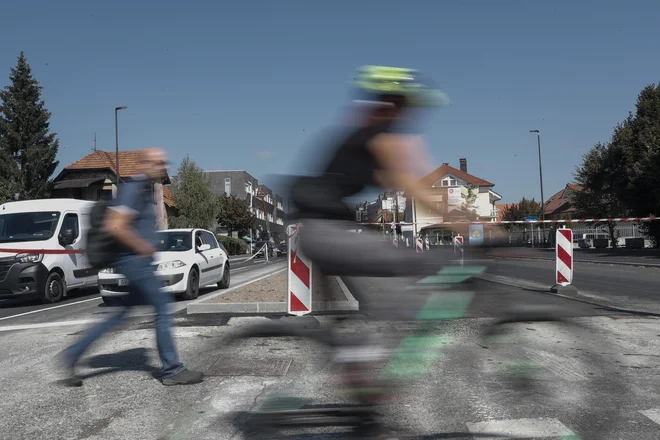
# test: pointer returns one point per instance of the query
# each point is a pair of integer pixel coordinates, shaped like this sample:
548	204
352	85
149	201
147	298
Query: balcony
494	213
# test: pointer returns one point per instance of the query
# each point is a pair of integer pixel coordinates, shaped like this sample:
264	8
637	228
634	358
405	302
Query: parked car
58	225
282	249
182	267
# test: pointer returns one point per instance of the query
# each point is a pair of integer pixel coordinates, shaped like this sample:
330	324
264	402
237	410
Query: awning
77	183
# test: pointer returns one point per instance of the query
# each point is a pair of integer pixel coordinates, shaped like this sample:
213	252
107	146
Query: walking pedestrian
131	221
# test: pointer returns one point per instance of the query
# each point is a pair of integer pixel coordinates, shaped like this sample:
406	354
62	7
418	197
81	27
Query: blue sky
252	84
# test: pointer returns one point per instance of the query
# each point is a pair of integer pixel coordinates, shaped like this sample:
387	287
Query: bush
235	246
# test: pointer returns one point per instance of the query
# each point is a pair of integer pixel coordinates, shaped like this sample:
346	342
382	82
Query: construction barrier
299	298
395	242
564	257
427	244
419	245
458	248
520	222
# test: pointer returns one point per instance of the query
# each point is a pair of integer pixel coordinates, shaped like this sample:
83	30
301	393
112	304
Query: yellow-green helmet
398	81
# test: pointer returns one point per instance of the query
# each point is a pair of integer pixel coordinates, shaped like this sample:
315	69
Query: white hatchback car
182	267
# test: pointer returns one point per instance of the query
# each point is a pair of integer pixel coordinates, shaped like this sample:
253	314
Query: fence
583	234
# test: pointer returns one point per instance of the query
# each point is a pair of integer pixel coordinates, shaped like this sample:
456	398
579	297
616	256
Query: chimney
463	162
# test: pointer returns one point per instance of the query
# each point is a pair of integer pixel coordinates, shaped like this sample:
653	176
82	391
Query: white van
56	225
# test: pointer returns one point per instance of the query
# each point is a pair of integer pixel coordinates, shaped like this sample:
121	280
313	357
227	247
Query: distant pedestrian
131	221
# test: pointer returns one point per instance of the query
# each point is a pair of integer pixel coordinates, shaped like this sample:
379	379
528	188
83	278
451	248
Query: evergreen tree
25	138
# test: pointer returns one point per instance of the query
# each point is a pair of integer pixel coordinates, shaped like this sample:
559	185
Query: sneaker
70	379
184	377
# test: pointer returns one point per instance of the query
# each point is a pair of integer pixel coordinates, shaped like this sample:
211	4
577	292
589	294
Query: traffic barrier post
427	244
395	242
563	258
419	245
299	299
458	248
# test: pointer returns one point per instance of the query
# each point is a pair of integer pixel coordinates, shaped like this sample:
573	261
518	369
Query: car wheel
192	292
111	301
224	282
54	289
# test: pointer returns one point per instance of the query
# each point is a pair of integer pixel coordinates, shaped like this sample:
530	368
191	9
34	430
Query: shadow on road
135	359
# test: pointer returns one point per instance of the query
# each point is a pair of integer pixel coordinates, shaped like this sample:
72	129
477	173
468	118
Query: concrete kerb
566	292
203	306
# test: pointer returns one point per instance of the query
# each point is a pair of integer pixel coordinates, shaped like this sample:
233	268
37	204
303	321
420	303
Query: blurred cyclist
383	151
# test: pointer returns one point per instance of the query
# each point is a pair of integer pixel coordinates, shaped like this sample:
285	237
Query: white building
451	190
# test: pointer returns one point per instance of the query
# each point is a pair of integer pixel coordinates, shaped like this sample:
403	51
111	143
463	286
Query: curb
562	292
200	306
610	263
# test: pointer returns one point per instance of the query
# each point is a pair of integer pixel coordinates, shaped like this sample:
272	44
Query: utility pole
541	181
94	148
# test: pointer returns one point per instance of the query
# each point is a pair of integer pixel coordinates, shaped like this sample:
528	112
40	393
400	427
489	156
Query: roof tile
129	162
168	196
445	169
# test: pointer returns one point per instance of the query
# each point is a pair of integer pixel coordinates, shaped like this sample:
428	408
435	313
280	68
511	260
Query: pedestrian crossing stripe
653	414
522	429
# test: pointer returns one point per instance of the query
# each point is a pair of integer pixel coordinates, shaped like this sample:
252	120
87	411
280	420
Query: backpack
102	249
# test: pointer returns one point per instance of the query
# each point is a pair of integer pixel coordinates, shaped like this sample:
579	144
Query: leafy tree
197	205
235	214
25	139
600	177
518	212
639	147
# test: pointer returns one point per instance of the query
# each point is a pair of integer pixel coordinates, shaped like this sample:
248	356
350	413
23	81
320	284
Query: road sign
531	219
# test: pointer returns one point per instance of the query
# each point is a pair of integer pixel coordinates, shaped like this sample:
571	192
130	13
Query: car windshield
28	226
173	241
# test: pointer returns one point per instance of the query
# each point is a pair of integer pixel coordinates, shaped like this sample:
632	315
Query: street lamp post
117	143
538	136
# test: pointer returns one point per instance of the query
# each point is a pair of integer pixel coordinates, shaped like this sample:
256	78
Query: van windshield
28	226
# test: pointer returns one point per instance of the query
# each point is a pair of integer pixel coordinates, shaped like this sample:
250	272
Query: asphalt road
635	288
593	380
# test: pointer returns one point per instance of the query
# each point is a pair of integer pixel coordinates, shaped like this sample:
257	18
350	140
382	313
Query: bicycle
412	358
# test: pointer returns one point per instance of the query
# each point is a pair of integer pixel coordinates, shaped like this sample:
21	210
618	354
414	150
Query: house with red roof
559	206
450	189
94	177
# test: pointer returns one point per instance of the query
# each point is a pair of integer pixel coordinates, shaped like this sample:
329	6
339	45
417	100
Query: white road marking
96	298
653	414
9	328
520	428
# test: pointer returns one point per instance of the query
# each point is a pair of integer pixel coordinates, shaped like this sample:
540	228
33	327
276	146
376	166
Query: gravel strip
274	289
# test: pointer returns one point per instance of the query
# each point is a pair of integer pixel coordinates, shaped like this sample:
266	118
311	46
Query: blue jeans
144	288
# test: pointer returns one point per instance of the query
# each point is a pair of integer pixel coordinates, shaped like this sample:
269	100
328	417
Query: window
174	241
210	239
71	222
228	185
198	240
445	183
28	226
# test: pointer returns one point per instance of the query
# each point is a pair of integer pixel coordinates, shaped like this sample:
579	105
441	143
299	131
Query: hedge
235	246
